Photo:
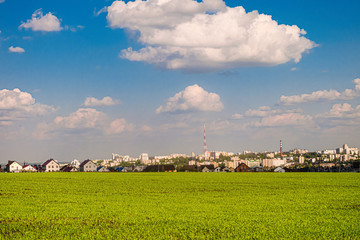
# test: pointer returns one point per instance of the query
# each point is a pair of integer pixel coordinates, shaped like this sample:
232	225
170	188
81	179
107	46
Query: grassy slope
180	205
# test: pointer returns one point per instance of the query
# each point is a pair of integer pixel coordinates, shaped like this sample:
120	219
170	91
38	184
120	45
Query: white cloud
39	22
193	98
323	95
15	105
341	111
106	101
266	111
284	120
191	35
1	1
83	120
237	116
16	49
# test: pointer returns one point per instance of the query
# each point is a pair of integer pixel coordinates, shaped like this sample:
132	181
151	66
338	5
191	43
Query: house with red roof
29	168
243	168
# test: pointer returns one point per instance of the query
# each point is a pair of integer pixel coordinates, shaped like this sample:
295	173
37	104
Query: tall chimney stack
281	152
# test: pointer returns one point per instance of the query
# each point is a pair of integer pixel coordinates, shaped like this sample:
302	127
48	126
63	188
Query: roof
210	167
28	166
47	162
11	162
85	162
67	169
159	168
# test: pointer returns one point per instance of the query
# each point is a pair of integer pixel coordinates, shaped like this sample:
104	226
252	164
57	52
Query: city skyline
84	80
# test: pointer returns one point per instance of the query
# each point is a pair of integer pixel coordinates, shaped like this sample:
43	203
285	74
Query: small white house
88	166
50	166
103	169
279	169
28	168
13	166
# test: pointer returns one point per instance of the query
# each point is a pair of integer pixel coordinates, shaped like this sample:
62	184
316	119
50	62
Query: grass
180	206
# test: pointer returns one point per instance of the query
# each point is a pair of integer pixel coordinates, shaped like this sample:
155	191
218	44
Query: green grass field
180	205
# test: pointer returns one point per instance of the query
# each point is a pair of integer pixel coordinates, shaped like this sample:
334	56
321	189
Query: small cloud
237	116
16	49
116	126
1	1
106	101
193	98
74	29
293	69
39	22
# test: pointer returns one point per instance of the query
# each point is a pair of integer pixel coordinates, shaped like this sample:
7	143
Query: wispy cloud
323	95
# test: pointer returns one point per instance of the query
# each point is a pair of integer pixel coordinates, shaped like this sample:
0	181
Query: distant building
301	159
258	169
88	166
243	168
29	168
68	169
13	166
144	158
327	152
103	169
50	165
207	168
279	169
160	168
273	162
75	163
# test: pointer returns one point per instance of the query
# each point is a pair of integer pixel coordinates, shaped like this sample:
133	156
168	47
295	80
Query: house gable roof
47	162
12	162
85	162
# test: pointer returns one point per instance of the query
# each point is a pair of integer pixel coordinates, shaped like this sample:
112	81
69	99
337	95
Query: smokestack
281	152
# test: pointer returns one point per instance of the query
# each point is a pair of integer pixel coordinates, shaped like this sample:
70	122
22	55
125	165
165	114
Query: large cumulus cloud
208	35
16	105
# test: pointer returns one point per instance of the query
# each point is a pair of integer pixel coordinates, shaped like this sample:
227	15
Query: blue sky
97	77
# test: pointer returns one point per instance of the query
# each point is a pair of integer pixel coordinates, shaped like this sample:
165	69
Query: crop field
180	206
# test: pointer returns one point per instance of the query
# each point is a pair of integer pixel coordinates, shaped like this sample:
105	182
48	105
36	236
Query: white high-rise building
144	157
